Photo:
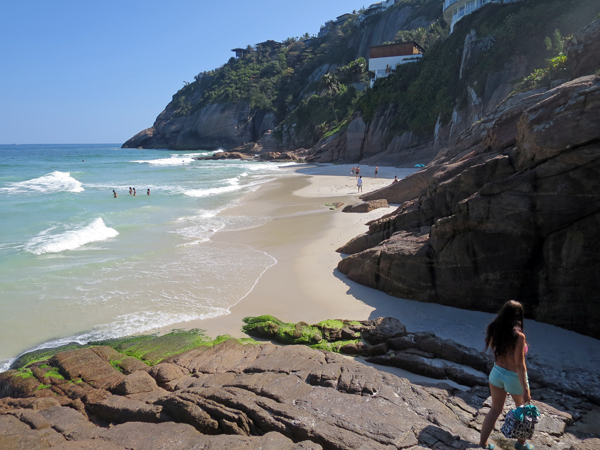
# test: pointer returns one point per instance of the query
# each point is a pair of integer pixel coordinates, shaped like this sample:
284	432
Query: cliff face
230	125
378	142
510	210
214	126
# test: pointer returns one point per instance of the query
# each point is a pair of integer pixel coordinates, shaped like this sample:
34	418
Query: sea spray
47	184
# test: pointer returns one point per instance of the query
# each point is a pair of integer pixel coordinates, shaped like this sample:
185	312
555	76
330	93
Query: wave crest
47	184
71	239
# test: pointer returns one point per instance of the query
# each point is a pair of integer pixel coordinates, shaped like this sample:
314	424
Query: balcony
448	3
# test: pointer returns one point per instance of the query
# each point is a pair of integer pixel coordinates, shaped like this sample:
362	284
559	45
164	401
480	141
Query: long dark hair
501	335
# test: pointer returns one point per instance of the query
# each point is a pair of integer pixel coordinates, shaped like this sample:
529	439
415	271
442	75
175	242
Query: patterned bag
520	423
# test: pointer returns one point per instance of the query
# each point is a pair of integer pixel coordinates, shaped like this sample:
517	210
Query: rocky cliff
220	125
252	396
510	210
192	122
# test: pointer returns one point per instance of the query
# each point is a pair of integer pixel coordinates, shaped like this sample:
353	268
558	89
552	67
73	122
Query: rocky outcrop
224	155
375	143
220	125
260	397
583	51
510	211
366	206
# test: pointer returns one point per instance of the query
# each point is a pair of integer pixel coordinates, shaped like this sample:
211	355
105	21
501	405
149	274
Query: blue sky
100	71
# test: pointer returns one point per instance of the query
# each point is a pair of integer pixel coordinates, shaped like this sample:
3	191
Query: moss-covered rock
270	327
153	349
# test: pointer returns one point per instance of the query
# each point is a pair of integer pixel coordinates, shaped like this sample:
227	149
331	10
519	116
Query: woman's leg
518	402
498	399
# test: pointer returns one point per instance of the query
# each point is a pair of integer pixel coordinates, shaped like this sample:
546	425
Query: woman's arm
521	367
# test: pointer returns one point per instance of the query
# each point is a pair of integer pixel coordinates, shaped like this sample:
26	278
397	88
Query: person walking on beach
376	170
130	191
114	194
506	339
359	183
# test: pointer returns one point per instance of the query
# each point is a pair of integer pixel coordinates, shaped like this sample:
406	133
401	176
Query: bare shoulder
520	336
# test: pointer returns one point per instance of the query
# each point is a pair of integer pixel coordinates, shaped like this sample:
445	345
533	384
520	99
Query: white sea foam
196	193
48	184
125	325
173	161
45	242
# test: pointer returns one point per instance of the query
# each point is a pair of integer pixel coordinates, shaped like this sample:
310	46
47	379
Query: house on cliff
454	10
383	59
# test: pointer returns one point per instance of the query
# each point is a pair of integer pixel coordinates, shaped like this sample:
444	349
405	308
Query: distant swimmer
359	183
395	179
134	193
130	191
148	192
114	194
376	170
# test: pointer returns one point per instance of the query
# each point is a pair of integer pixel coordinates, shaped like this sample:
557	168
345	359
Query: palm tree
329	82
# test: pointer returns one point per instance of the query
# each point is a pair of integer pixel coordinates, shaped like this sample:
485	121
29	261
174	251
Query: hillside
247	96
313	93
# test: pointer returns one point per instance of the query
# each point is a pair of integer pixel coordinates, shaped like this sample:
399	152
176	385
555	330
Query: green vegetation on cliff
500	34
284	78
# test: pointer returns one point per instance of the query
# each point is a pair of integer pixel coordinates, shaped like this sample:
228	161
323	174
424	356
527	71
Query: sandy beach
304	285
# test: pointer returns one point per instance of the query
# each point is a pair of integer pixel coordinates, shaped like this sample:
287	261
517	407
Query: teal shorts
507	380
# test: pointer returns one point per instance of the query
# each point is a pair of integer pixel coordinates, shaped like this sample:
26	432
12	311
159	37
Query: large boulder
511	211
367	206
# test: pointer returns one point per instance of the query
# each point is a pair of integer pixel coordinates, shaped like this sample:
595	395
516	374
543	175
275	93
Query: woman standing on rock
505	337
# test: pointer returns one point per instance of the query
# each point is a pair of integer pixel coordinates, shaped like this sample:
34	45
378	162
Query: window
461	11
380	71
470	7
480	3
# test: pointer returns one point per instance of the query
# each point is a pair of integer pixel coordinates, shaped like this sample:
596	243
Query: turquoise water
77	264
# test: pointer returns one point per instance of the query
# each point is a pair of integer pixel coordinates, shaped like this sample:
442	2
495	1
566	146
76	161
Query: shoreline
302	234
304	284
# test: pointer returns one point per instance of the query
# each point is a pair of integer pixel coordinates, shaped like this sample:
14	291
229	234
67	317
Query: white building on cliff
454	10
383	59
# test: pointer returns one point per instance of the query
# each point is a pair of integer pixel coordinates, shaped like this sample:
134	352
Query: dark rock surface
511	211
367	206
263	397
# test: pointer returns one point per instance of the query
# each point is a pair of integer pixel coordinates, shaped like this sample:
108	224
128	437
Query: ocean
77	264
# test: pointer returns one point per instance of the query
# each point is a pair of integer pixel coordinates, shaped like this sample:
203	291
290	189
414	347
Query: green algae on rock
328	335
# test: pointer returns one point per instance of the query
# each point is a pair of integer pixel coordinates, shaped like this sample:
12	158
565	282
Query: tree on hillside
331	84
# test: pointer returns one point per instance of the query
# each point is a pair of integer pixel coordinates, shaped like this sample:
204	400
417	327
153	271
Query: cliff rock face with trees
510	210
273	82
313	94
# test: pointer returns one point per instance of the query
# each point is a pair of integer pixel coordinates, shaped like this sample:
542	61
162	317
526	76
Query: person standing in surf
114	194
148	192
134	193
506	339
130	191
